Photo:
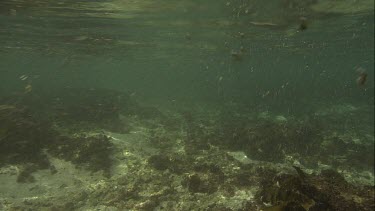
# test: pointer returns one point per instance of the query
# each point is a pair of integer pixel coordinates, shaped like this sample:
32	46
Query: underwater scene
187	105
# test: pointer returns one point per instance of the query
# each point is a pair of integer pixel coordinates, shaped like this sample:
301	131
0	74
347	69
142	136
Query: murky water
222	72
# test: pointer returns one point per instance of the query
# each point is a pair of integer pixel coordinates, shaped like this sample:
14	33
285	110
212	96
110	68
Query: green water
213	68
179	50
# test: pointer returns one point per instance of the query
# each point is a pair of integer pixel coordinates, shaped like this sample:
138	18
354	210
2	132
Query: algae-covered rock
26	141
95	107
89	152
23	139
77	109
269	140
325	191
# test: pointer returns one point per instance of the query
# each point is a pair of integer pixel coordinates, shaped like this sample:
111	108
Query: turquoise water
208	73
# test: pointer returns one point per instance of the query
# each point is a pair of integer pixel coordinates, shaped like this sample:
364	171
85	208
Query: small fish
303	24
13	12
81	38
362	78
28	88
188	36
23	77
236	55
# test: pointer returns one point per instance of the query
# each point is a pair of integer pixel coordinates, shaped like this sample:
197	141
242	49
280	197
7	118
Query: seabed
106	151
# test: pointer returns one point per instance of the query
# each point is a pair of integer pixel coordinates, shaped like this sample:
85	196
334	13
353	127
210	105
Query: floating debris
255	23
